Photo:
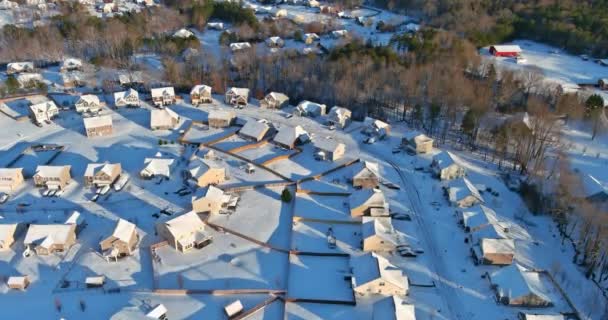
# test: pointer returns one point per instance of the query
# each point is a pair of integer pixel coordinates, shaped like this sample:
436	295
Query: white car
105	190
46	192
3	197
122	182
52	193
58	193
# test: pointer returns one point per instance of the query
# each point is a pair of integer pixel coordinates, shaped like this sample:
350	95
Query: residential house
254	130
379	235
7	236
19	67
505	50
44	111
99	126
603	83
163	96
327	149
237	96
517	286
477	217
77	220
495	230
18	282
122	242
8	5
289	137
393	308
275	42
374	127
10	179
494	251
462	193
206	172
309	38
373	274
46	239
310	109
365	174
52	177
88	103
157	167
221	118
339	117
417	142
163	119
71	64
239	46
102	174
274	100
368	202
200	94
183	34
184	232
445	167
131	79
129	98
72	80
214	200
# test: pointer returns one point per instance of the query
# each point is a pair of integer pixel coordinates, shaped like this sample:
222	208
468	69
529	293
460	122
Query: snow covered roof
381	227
7	231
312	36
375	123
162	117
185	224
48	234
161	92
254	129
416	136
96	122
490	231
16	281
328	145
199	166
43	107
497	246
88	98
74	218
132	77
10	172
157	312
200	89
363	169
394	307
71	63
238	91
216	194
222	114
233	308
51	171
183	33
93	168
158	166
461	188
123	230
239	46
339	33
25	78
216	25
478	216
528	316
274	40
277	96
515	281
124	94
339	113
507	48
21	65
444	159
309	107
369	267
367	197
288	135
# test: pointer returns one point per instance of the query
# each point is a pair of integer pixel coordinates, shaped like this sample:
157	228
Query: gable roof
339	113
367	197
365	169
51	171
444	159
254	129
121	95
158	166
95	122
239	46
277	96
381	227
507	48
327	145
124	230
478	216
222	114
311	107
45	106
88	98
162	117
497	246
10	172
183	33
370	266
515	281
200	89
93	168
184	224
461	188
238	91
288	135
160	92
48	234
199	166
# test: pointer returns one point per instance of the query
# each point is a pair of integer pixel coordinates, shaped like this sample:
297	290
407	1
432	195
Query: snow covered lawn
322	207
311	236
316	277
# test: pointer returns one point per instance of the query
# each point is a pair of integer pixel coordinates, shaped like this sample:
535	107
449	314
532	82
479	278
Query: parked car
3	197
46	192
396	150
105	190
370	140
95	197
401	216
58	193
52	193
122	182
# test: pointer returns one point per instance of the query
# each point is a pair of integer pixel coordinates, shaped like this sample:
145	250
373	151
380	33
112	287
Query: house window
381	284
